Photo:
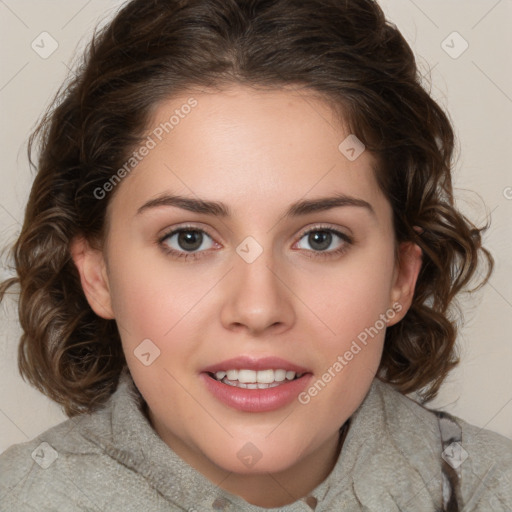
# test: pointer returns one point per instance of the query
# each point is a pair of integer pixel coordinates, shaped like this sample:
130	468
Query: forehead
249	148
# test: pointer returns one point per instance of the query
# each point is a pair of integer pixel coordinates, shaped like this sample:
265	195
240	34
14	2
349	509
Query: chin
250	458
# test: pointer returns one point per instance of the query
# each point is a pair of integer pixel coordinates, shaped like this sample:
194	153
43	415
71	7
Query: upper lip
253	363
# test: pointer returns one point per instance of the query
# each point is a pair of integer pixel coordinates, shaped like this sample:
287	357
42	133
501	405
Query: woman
238	256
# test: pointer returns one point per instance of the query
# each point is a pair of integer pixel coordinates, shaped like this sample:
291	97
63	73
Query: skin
258	152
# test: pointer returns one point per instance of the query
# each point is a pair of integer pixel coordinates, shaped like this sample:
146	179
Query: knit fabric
393	459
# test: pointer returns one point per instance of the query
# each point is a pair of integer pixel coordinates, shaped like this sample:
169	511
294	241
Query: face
277	263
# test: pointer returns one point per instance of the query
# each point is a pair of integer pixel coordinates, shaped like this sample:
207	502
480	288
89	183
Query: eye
186	241
190	242
321	238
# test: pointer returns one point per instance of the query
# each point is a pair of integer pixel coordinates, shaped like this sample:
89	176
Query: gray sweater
392	460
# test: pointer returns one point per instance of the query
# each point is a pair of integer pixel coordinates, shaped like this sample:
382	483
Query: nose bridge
255	267
257	296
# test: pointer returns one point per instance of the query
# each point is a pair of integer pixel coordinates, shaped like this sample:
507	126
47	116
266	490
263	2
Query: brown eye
186	241
320	239
189	240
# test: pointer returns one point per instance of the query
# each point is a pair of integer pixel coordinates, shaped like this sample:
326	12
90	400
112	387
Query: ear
92	268
406	273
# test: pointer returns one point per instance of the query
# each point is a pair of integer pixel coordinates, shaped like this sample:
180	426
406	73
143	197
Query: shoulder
86	463
485	468
480	459
42	474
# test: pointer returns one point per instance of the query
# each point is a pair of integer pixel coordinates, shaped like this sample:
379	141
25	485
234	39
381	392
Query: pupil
323	238
190	240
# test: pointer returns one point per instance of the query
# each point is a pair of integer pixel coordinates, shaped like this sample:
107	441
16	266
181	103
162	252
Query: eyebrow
219	209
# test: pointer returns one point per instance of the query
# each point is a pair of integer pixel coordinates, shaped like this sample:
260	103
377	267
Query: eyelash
316	254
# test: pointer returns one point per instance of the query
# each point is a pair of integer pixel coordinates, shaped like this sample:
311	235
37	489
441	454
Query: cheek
352	296
136	307
150	305
354	307
158	300
144	302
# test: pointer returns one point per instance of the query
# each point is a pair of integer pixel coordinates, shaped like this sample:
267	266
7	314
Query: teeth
265	376
246	376
237	384
279	375
232	374
251	379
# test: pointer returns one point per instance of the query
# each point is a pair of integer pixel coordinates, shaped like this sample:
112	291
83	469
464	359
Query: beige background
475	87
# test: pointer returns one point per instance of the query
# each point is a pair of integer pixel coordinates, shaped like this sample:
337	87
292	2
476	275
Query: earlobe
91	267
406	274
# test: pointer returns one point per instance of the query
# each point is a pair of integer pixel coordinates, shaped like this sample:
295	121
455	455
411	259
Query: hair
346	52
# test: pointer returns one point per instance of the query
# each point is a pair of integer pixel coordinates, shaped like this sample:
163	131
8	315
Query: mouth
252	379
256	385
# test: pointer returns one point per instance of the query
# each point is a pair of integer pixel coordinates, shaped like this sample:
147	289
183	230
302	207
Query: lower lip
256	400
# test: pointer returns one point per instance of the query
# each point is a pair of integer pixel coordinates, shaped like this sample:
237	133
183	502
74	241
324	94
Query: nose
257	297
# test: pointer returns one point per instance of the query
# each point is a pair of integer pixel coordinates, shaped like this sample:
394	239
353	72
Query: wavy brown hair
344	51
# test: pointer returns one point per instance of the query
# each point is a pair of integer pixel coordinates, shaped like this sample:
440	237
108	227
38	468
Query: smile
251	379
255	385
